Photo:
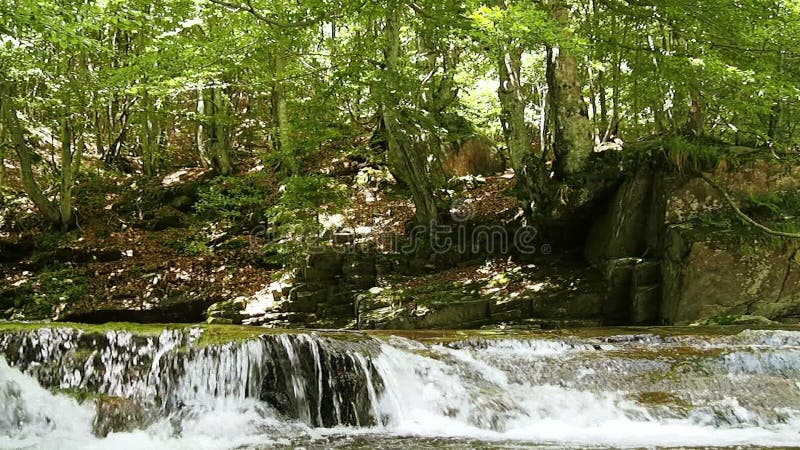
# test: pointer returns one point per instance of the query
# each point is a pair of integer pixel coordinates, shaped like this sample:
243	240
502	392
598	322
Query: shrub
295	218
241	202
38	298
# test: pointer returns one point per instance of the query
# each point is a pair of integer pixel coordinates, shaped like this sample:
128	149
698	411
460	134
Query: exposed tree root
744	216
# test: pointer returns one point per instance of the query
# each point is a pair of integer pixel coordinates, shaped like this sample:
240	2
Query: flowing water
359	391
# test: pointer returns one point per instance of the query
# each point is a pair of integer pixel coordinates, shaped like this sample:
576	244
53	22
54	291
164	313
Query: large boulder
705	277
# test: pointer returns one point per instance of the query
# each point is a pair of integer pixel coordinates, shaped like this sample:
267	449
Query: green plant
195	248
50	288
295	218
693	155
241	202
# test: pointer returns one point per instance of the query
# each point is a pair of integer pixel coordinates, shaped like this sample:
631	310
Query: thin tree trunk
2	146
280	116
65	198
217	130
775	119
46	208
409	158
200	134
696	114
152	134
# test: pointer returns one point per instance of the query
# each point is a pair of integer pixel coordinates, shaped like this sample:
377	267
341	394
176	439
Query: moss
136	328
81	395
221	334
660	398
39	296
448	336
674	354
779	211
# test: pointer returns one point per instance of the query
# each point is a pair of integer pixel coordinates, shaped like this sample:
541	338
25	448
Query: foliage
142	87
780	211
295	218
240	202
693	155
41	295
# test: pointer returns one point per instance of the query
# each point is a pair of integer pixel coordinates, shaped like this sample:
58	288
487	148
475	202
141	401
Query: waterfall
170	390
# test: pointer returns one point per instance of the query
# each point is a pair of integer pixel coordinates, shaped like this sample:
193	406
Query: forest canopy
144	87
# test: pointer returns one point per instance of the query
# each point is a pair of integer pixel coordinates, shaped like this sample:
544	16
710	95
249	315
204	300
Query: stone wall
326	286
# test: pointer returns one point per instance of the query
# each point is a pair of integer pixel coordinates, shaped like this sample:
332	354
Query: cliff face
708	263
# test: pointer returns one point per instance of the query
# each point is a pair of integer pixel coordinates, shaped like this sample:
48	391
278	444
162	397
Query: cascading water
357	391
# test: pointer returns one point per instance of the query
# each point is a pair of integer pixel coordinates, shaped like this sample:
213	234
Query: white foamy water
317	392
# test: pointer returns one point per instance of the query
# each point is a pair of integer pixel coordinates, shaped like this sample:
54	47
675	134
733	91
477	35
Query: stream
63	388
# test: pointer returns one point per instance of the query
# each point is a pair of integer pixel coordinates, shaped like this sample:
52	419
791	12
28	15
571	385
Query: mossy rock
117	414
743	319
227	311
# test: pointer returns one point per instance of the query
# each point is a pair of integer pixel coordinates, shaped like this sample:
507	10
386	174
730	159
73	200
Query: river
350	390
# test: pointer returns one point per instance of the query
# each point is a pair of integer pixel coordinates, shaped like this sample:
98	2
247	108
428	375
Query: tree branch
744	216
248	7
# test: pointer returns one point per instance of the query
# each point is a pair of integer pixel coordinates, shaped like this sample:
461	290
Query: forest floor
148	253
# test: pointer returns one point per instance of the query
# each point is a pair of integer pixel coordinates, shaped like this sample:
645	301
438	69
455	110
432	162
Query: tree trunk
407	156
152	134
572	129
696	114
66	212
2	146
200	134
217	128
280	116
512	107
47	209
775	120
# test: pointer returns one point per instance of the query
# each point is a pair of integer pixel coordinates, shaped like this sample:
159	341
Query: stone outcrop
326	286
705	277
554	294
664	265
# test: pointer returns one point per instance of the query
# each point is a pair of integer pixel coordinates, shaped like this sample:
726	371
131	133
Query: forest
218	133
384	224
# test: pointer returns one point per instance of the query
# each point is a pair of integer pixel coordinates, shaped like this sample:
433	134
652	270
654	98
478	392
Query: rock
465	182
705	276
303	300
182	202
454	315
117	414
689	197
358	265
745	319
619	232
318	275
646	273
187	307
645	305
164	218
473	156
344	238
221	321
228	311
361	281
12	251
328	261
619	274
656	215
